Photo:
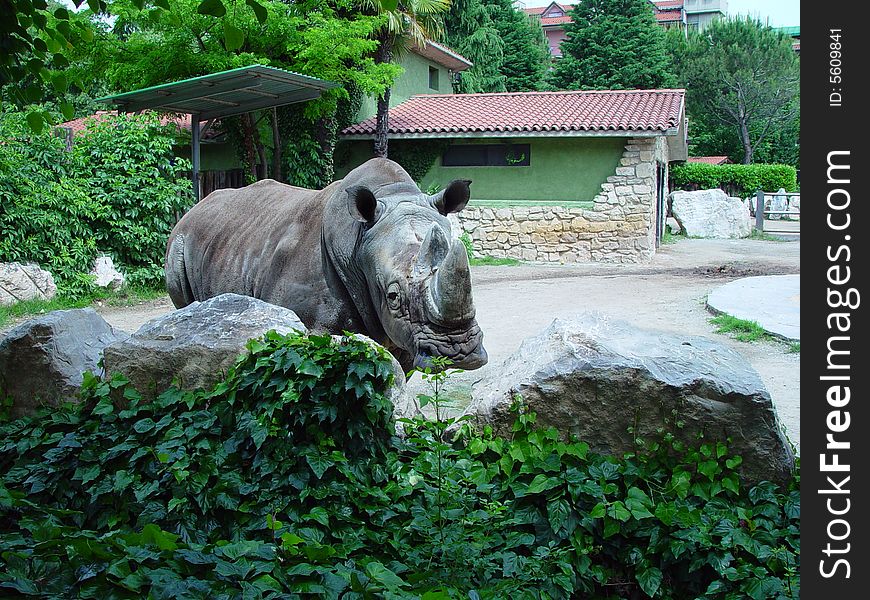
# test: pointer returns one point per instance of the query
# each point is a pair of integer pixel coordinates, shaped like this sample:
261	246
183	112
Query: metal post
759	210
194	155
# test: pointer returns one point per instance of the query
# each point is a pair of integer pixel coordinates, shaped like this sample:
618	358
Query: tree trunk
382	126
250	152
276	147
383	55
747	143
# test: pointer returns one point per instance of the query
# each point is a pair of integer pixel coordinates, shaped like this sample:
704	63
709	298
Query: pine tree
471	33
742	83
526	54
612	44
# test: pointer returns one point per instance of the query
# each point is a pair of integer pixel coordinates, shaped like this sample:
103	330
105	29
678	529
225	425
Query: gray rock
710	214
20	282
596	378
778	203
794	208
106	275
42	360
197	344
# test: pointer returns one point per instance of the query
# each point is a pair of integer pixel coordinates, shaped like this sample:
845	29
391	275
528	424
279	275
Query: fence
761	212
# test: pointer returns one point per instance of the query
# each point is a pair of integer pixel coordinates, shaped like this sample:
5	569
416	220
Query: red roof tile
668	16
576	111
710	160
668	4
181	121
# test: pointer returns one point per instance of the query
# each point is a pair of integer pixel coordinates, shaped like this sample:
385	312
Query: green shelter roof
226	93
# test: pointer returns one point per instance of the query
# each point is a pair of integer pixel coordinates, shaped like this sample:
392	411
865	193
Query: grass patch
491	261
125	297
740	329
794	348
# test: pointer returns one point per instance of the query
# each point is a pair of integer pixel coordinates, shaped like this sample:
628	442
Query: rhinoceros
369	253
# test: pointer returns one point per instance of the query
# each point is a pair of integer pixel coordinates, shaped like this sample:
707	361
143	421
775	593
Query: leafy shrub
117	191
127	165
286	481
736	180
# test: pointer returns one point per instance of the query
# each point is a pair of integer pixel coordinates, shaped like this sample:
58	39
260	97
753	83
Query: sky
782	13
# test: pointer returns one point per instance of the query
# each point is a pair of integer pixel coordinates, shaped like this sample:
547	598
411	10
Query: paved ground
668	294
772	301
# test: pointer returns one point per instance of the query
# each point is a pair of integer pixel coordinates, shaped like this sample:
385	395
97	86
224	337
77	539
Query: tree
154	46
743	76
472	33
408	23
612	44
35	36
526	54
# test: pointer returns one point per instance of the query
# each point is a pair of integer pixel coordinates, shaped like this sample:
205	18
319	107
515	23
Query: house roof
181	121
444	56
573	113
709	160
668	4
667	17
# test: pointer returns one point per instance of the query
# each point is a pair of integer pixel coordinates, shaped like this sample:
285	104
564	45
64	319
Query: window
487	155
433	78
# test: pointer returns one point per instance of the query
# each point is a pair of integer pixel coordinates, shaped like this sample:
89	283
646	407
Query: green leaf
35	121
164	4
598	511
214	8
388	5
666	511
542	483
617	510
234	38
318	463
259	10
650	579
122	481
383	575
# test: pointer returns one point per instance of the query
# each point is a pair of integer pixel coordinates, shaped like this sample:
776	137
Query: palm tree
410	23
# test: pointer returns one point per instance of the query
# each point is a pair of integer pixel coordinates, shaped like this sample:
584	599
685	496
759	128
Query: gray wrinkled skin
370	253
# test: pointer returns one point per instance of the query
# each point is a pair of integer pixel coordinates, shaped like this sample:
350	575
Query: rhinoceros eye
394	296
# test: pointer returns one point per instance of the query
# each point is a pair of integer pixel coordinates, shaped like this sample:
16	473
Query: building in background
681	14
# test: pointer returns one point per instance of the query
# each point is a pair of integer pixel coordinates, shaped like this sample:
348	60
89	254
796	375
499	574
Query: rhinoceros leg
177	283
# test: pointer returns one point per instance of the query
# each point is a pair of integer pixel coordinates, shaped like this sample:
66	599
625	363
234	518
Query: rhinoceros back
262	240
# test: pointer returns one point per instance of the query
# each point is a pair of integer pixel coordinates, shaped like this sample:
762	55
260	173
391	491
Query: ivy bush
737	180
116	191
287	481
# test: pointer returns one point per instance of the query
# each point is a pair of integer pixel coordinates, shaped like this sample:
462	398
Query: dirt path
667	294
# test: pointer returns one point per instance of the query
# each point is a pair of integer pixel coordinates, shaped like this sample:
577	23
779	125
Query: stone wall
620	227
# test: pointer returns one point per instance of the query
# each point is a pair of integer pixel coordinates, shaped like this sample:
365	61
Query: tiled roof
666	17
529	112
668	4
710	160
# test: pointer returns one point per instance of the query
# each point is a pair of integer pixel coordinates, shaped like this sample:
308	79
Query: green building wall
415	80
560	170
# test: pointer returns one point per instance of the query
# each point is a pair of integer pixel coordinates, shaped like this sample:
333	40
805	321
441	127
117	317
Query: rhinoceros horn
450	288
433	251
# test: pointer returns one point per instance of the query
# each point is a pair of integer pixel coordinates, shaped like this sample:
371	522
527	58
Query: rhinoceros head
416	277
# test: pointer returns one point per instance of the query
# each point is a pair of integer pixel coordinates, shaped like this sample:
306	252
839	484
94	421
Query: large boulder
710	214
195	346
19	282
42	360
598	378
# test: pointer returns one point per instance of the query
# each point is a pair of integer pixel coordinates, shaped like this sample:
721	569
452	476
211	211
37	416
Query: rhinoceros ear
454	197
362	204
